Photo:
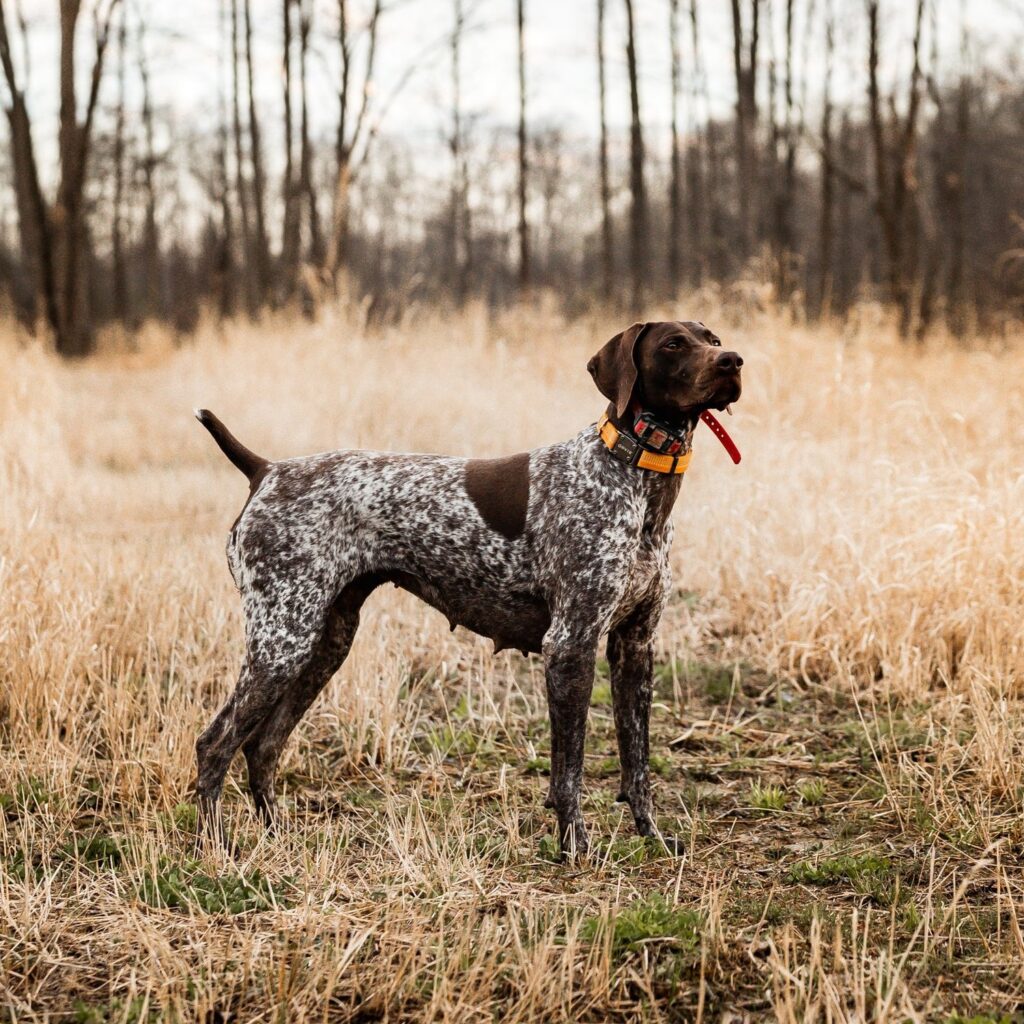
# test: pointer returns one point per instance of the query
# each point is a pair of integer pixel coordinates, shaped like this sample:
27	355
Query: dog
545	551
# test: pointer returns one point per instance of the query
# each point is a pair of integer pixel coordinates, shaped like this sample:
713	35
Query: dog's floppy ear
614	369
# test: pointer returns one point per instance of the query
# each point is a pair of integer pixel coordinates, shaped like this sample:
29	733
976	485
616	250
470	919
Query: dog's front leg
631	661
569	672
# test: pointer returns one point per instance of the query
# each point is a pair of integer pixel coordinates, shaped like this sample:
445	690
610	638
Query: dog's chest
603	527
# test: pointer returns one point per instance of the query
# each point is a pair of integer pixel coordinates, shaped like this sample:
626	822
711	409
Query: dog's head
675	370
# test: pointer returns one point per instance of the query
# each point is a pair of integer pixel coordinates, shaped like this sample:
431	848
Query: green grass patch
812	792
766	797
630	851
717	682
850	868
650	920
449	741
183	816
184	886
99	851
29	796
867	873
547	849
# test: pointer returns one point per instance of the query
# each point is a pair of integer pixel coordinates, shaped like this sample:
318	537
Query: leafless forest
905	186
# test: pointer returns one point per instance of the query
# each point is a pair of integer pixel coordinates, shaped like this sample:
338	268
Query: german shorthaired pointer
545	551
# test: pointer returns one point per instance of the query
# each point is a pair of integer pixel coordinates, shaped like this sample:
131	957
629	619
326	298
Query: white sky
183	39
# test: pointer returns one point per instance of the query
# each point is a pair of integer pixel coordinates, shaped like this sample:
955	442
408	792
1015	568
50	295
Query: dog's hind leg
264	745
281	640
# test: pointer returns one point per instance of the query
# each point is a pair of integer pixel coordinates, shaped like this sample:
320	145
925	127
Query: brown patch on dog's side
500	489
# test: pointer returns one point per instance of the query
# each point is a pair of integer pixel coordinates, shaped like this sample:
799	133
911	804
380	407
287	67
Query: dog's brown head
675	370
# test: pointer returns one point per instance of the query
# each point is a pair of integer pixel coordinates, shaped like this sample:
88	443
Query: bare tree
745	58
117	227
34	224
74	328
459	229
607	239
349	135
895	178
524	229
261	240
952	144
675	187
242	189
225	265
697	197
307	186
826	220
638	233
154	292
290	194
786	187
56	242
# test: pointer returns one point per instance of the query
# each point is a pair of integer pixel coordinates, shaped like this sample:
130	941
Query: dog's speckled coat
318	534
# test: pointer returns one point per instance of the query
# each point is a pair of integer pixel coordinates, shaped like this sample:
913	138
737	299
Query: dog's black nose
729	361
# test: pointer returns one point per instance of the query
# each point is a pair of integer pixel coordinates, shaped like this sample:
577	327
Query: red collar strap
657	437
722	434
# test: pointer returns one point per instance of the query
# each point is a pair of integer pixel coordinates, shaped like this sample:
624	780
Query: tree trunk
259	188
225	269
607	239
241	181
895	189
152	266
844	271
826	221
697	199
74	329
638	231
290	195
34	225
956	185
745	71
74	335
524	230
306	184
675	187
459	220
117	227
785	194
347	139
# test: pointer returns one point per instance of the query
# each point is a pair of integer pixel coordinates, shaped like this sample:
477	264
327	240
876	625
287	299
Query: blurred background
166	162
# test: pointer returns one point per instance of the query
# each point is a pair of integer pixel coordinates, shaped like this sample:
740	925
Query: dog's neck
659	490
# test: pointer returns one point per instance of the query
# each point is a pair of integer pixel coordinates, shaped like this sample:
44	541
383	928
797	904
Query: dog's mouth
721	391
728	391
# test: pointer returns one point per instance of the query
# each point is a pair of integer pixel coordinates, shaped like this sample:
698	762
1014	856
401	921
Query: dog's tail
248	462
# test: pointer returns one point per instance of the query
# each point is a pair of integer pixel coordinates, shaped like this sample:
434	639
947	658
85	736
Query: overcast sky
184	39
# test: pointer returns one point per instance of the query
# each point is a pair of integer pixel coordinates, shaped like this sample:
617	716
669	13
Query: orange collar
628	450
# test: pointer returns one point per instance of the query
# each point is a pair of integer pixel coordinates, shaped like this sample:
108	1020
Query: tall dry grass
867	555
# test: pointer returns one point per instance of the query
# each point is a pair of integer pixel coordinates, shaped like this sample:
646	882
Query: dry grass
838	730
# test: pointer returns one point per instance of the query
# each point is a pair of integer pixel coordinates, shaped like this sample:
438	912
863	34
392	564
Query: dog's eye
672	344
716	343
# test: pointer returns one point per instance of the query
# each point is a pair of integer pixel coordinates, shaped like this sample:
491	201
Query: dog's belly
511	618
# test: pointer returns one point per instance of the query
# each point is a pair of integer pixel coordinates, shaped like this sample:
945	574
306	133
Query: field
838	730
